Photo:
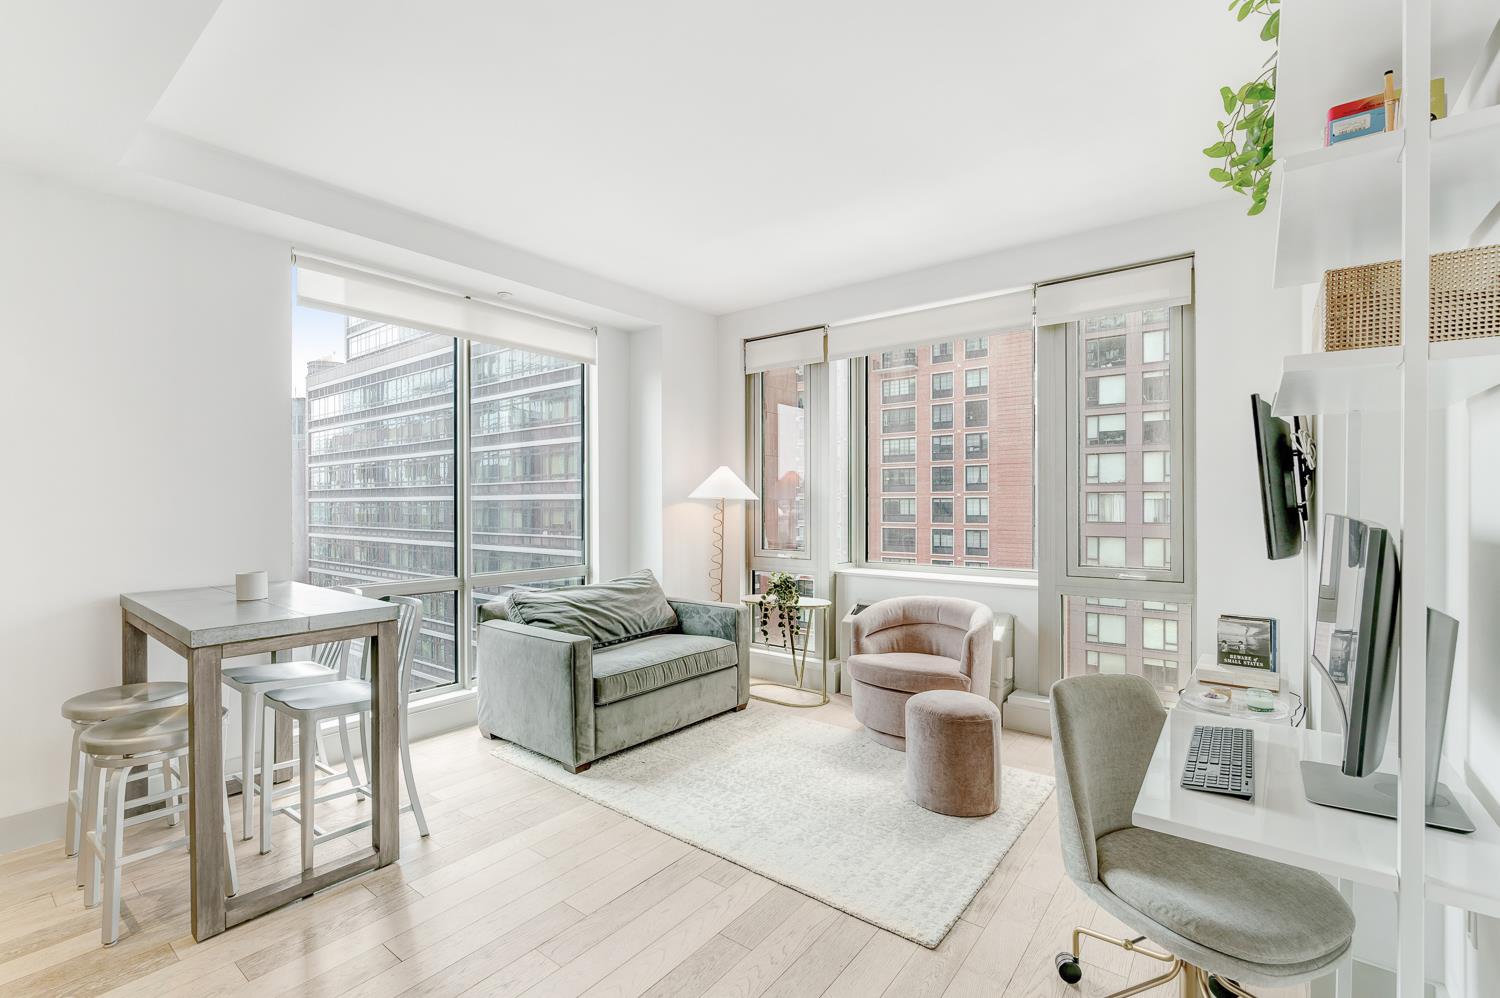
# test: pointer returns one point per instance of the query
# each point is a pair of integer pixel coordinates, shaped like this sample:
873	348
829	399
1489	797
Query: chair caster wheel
1068	968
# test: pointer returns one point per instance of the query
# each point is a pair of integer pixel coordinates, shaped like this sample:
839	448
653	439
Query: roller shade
338	288
1169	283
805	346
961	320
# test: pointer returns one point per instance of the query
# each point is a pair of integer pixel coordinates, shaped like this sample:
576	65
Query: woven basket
1362	305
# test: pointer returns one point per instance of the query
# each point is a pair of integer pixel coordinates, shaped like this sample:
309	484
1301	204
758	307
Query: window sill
437	701
998	581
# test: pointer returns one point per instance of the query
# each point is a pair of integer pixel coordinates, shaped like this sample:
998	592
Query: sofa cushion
607	613
909	672
650	663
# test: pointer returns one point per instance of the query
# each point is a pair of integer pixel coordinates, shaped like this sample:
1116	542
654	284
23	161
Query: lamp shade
722	484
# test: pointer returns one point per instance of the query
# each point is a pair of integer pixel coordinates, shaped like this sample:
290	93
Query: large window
1121	583
1124	483
783	456
1143	637
391	497
990	462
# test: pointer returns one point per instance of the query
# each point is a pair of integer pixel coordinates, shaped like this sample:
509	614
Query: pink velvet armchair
910	644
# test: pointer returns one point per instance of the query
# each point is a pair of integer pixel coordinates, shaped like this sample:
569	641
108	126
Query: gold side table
816	607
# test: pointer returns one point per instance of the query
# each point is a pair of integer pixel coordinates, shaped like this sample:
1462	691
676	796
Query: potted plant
780	610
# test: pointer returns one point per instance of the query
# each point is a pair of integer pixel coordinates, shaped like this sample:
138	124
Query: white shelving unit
1403	195
1323	384
1341	206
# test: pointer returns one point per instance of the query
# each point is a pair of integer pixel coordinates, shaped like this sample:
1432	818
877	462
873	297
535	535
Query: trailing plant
783	597
1247	137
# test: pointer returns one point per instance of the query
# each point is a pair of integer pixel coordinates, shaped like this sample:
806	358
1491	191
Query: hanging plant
782	597
1246	138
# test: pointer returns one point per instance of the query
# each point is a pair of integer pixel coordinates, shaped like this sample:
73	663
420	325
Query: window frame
1179	397
1057	396
464	583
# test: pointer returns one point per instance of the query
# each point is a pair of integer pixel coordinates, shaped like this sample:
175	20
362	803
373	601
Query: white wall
148	443
1243	329
674	445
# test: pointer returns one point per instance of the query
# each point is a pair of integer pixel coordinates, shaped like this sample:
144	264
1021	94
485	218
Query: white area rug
812	806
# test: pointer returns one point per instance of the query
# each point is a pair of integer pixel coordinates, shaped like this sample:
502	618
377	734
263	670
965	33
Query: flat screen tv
1278	481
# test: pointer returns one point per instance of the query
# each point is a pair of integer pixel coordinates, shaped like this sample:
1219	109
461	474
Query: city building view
377	460
949	453
1124	520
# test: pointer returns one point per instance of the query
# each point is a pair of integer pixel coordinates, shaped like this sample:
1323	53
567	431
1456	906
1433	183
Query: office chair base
1194	984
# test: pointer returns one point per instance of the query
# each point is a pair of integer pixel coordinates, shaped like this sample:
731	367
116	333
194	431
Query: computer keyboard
1221	761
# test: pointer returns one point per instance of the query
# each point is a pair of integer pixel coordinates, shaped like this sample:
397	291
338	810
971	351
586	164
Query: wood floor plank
824	960
678	944
339	979
601	893
438	943
1002	943
724	872
594	964
1036	974
626	908
493	962
697	972
1035	837
874	967
781	948
770	911
928	972
515	978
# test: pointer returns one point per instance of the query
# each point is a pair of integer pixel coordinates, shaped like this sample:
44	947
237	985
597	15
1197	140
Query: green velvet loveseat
601	685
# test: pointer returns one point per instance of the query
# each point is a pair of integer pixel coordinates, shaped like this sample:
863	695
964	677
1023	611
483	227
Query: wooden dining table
208	625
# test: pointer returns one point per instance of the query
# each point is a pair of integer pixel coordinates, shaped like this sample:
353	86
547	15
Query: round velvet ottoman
953	753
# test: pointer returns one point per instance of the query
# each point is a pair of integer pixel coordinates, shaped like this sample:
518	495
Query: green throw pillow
607	613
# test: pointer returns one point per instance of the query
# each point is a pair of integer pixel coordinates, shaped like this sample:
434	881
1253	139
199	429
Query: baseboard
32	828
1029	712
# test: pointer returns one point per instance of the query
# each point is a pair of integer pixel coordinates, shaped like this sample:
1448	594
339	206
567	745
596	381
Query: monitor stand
1326	784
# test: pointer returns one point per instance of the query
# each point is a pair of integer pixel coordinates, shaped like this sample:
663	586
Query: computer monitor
1279	478
1356	647
1354	636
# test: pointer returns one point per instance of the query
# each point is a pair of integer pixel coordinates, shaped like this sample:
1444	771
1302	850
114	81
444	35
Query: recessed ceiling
728	154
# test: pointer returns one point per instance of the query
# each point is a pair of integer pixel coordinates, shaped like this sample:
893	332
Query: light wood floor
526	889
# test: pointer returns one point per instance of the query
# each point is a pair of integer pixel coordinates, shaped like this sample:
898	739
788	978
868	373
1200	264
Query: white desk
1281	824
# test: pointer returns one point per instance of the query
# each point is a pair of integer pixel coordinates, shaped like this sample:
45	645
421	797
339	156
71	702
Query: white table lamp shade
723	484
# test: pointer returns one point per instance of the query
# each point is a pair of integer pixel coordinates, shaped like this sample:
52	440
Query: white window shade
337	288
979	317
1169	283
805	346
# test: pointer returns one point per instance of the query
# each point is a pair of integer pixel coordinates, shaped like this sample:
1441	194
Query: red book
1356	107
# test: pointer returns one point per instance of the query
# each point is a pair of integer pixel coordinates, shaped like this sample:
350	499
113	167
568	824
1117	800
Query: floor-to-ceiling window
434	466
1117	593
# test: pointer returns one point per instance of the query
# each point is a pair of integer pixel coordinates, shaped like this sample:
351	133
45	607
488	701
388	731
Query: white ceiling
721	155
728	154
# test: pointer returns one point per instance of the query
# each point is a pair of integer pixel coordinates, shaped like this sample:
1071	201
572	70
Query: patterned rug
816	807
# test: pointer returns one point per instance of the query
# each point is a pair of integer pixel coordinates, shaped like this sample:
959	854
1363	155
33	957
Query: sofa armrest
729	621
536	688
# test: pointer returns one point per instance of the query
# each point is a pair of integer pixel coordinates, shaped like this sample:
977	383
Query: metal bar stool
144	738
87	709
329	664
307	706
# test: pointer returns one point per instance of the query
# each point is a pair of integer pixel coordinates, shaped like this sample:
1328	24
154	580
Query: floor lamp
721	485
